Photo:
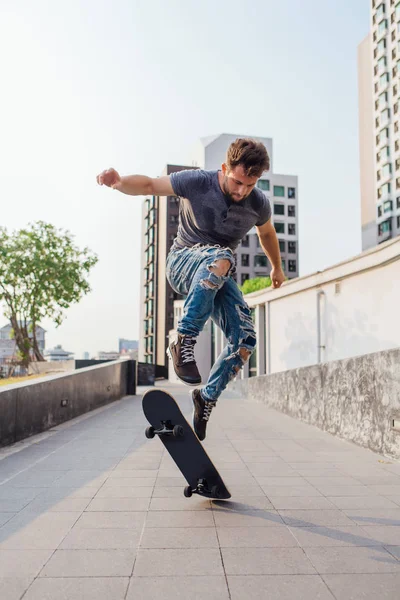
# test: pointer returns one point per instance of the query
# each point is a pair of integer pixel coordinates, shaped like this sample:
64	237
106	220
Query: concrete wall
33	407
346	310
356	399
51	366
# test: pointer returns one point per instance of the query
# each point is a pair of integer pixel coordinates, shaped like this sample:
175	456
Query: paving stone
302	502
118	505
178	562
250	537
374	559
265	561
76	588
278	587
364	587
101	539
346	502
179	537
12	588
90	563
22	563
111	520
315	518
178	588
314	537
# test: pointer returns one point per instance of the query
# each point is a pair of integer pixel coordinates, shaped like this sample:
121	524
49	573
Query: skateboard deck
167	421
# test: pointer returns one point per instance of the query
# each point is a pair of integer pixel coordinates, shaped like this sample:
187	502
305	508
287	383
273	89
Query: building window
173	219
398	183
396	145
397	164
292	247
379	211
385	189
394	53
396	108
377	122
283	264
279	209
292	229
244	277
387	206
396	127
282	245
382	62
393	35
394	71
380	11
382	27
383	98
291	193
292	266
385	227
385	115
291	211
383	79
395	90
386	170
378	175
279	191
245	260
376	87
260	260
263	184
398	202
279	227
245	241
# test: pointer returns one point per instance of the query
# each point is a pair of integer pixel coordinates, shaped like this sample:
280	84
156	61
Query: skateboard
167	421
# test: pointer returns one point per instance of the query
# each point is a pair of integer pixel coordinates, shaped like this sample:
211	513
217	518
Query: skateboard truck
202	489
166	429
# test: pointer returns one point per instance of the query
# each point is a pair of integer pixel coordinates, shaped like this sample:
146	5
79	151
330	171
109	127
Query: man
217	209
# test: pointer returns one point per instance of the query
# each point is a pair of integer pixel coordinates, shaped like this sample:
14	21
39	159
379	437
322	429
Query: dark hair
250	154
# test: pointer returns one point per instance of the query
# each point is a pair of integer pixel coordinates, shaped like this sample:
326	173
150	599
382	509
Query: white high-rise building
379	87
282	191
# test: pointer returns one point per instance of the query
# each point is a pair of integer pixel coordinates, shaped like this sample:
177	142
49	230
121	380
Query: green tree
255	284
42	272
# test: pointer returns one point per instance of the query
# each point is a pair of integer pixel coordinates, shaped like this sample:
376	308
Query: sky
133	84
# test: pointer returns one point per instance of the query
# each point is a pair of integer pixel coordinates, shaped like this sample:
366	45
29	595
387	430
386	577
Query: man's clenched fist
110	178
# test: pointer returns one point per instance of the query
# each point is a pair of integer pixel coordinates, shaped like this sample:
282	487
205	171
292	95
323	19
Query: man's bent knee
220	267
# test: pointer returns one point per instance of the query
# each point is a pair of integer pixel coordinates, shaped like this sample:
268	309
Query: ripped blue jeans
190	273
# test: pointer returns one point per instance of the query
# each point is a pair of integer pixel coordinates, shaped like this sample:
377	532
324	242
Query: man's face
236	184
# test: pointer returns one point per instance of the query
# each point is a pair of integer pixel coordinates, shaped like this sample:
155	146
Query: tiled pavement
93	510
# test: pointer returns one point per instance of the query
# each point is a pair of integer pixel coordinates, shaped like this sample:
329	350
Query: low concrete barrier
35	406
357	399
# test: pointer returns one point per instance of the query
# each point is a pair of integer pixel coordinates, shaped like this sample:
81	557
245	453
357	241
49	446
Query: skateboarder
217	209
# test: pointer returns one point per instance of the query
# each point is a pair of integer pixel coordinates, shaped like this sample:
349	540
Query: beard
228	194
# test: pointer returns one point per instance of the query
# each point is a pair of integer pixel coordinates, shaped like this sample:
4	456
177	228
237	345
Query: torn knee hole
220	267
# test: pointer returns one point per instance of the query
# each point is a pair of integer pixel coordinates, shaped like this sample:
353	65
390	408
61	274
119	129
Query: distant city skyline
93	85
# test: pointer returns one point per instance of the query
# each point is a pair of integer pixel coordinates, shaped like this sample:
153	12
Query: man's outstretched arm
270	244
136	185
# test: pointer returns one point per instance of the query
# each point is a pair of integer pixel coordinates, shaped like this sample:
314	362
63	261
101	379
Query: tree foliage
255	284
42	272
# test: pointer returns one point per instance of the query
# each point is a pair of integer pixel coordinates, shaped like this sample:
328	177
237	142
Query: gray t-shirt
208	216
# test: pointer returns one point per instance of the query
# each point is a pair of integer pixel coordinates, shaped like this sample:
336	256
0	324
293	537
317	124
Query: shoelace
207	410
187	349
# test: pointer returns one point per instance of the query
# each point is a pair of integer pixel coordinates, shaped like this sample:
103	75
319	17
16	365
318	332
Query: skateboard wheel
187	491
150	432
177	431
215	491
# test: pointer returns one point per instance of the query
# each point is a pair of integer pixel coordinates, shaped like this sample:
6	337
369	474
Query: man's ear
224	168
